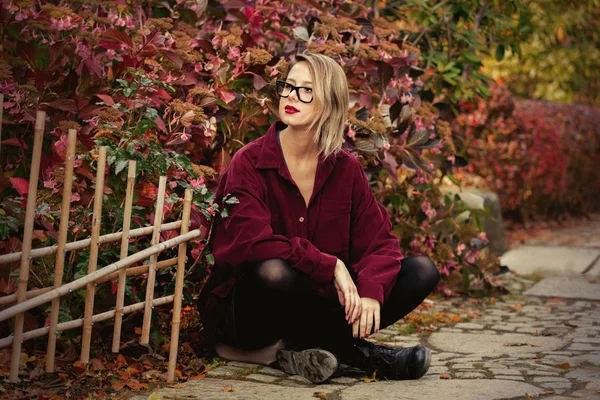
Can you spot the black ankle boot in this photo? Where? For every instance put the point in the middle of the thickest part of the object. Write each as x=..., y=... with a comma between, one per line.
x=389, y=363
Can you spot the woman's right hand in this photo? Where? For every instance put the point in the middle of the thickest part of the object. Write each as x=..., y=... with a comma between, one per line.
x=347, y=292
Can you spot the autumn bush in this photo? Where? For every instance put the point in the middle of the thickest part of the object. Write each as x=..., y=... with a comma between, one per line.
x=180, y=86
x=541, y=158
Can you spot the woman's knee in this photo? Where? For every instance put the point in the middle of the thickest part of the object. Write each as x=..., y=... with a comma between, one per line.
x=275, y=273
x=423, y=269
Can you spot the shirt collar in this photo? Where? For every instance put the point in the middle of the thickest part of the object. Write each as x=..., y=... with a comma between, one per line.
x=271, y=155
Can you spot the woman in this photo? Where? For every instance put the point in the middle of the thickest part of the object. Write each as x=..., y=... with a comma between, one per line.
x=306, y=265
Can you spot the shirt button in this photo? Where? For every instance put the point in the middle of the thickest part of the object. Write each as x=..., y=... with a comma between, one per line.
x=301, y=219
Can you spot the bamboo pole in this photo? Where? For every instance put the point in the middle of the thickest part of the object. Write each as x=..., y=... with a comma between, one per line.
x=181, y=259
x=93, y=261
x=82, y=244
x=64, y=326
x=85, y=280
x=62, y=240
x=124, y=251
x=129, y=272
x=158, y=214
x=1, y=111
x=27, y=235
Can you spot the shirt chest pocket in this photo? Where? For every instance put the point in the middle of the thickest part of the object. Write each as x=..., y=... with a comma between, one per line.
x=332, y=233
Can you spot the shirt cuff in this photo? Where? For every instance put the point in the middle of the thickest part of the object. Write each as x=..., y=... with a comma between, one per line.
x=323, y=273
x=370, y=289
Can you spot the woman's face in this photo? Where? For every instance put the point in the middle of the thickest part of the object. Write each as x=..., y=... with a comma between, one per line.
x=292, y=111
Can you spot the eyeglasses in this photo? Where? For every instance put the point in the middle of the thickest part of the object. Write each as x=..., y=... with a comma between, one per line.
x=284, y=89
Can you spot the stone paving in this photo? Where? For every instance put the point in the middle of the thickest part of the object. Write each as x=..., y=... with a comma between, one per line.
x=532, y=343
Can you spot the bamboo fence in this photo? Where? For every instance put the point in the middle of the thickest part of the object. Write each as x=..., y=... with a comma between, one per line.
x=126, y=266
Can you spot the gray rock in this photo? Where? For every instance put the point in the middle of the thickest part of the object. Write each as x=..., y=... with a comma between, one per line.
x=494, y=345
x=468, y=325
x=213, y=389
x=469, y=375
x=510, y=377
x=571, y=287
x=262, y=378
x=549, y=260
x=468, y=389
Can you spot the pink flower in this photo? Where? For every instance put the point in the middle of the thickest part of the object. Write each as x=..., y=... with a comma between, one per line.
x=234, y=53
x=197, y=183
x=211, y=211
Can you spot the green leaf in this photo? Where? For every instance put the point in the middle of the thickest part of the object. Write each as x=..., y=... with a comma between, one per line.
x=121, y=164
x=500, y=52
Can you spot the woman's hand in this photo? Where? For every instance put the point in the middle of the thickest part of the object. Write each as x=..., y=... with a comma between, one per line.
x=347, y=293
x=369, y=318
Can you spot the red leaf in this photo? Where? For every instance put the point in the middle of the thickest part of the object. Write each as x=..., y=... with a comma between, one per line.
x=89, y=111
x=22, y=185
x=95, y=68
x=106, y=98
x=227, y=97
x=277, y=35
x=15, y=142
x=64, y=105
x=175, y=58
x=259, y=82
x=114, y=39
x=161, y=124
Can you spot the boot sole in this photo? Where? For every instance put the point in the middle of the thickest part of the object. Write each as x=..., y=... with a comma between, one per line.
x=316, y=365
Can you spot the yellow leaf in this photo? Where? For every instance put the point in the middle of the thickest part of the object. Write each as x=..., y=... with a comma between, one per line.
x=226, y=389
x=371, y=379
x=155, y=396
x=320, y=395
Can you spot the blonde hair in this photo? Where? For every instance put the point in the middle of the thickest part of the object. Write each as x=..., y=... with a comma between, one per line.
x=330, y=89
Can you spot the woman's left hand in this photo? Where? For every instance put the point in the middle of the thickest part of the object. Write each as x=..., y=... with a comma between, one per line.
x=368, y=322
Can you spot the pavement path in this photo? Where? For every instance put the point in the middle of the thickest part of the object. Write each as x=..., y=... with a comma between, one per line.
x=541, y=341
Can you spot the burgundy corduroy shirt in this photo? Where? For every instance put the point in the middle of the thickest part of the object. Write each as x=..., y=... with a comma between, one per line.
x=343, y=220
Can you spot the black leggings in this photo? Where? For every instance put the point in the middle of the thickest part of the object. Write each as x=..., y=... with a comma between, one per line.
x=273, y=301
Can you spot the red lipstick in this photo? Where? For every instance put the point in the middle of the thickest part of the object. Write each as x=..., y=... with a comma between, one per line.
x=291, y=110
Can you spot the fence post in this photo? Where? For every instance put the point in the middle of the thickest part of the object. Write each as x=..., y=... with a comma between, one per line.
x=61, y=252
x=158, y=214
x=181, y=259
x=93, y=261
x=27, y=235
x=124, y=251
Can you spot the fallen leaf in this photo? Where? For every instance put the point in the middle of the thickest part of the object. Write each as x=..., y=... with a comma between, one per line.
x=177, y=386
x=97, y=364
x=570, y=325
x=445, y=376
x=137, y=330
x=563, y=366
x=517, y=307
x=226, y=389
x=320, y=395
x=556, y=300
x=193, y=378
x=593, y=281
x=79, y=367
x=118, y=385
x=373, y=378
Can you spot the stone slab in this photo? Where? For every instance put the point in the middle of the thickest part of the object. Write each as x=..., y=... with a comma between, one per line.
x=511, y=344
x=571, y=287
x=220, y=389
x=595, y=270
x=549, y=260
x=468, y=389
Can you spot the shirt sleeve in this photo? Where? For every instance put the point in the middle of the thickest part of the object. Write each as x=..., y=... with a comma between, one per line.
x=375, y=250
x=246, y=236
